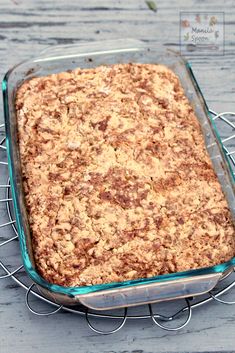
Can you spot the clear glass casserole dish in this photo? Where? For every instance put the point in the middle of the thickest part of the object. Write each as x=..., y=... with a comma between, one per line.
x=134, y=292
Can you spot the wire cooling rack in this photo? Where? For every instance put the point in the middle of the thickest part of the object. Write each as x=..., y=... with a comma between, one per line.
x=9, y=248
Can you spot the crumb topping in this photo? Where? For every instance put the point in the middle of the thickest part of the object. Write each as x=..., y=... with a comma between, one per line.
x=117, y=179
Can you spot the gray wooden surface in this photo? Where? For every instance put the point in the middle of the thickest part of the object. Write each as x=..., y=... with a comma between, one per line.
x=28, y=26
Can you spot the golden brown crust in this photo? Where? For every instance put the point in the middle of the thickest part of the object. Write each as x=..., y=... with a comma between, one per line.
x=117, y=179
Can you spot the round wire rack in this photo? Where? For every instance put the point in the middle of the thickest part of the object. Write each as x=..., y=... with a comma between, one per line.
x=9, y=251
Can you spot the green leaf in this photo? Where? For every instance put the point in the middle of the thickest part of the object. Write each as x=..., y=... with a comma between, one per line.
x=151, y=5
x=186, y=37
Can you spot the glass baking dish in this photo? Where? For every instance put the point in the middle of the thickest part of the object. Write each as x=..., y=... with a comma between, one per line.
x=86, y=55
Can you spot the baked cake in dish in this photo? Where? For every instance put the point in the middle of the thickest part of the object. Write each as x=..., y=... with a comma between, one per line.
x=117, y=179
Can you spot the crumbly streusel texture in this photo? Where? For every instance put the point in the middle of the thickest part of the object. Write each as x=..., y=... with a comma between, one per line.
x=117, y=180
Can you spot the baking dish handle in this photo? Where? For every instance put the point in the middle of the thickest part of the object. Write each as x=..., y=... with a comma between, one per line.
x=150, y=293
x=90, y=48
